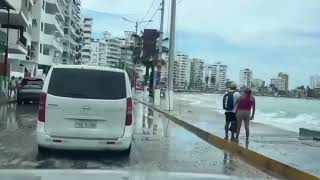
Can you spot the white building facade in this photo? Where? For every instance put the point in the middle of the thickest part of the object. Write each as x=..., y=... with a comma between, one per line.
x=196, y=76
x=315, y=81
x=72, y=32
x=257, y=83
x=113, y=48
x=86, y=53
x=20, y=31
x=181, y=71
x=94, y=56
x=216, y=74
x=246, y=77
x=47, y=34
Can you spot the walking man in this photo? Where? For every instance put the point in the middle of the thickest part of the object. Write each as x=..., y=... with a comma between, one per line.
x=230, y=102
x=12, y=87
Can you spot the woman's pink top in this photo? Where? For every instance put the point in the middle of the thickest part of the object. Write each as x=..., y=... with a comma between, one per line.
x=246, y=103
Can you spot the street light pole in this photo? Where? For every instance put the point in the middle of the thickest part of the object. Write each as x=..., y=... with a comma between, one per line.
x=137, y=25
x=169, y=105
x=6, y=52
x=156, y=87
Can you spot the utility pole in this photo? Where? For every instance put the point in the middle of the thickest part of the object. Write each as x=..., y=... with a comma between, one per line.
x=137, y=23
x=172, y=46
x=156, y=87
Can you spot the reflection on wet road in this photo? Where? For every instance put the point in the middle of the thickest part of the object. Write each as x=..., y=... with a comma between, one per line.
x=159, y=145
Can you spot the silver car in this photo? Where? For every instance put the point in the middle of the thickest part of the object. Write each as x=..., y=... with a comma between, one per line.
x=29, y=90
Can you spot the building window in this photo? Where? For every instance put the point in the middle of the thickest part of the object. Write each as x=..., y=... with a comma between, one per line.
x=42, y=26
x=34, y=23
x=46, y=51
x=40, y=48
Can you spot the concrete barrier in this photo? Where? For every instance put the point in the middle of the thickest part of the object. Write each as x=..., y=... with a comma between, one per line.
x=254, y=158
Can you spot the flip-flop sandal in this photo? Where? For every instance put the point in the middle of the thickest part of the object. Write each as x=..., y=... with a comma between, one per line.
x=235, y=140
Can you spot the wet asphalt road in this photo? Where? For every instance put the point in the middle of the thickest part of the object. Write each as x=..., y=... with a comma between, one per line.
x=158, y=145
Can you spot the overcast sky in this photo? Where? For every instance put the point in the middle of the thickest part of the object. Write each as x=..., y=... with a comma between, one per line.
x=267, y=36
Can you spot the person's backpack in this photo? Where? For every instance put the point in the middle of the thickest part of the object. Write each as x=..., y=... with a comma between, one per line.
x=228, y=103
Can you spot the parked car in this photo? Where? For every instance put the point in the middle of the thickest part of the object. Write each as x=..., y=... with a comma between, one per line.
x=85, y=108
x=29, y=90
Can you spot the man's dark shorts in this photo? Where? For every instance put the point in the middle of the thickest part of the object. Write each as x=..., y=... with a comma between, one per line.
x=231, y=119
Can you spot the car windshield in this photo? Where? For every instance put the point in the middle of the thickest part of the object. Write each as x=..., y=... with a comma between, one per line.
x=85, y=83
x=185, y=88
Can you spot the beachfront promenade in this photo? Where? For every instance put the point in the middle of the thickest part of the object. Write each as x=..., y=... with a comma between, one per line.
x=272, y=142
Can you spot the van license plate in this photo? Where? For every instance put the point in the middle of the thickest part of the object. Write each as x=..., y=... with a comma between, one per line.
x=85, y=124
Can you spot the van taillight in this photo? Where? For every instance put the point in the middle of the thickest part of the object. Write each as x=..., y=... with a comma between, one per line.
x=129, y=112
x=42, y=107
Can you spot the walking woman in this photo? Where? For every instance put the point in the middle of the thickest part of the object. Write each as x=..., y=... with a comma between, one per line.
x=246, y=103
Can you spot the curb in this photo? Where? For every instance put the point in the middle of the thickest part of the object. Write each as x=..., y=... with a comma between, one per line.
x=253, y=158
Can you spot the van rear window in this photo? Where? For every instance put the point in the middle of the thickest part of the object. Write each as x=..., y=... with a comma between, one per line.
x=87, y=84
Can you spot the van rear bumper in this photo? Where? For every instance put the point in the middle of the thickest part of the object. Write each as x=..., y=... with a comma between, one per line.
x=44, y=140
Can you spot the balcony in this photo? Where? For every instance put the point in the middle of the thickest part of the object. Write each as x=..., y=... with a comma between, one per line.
x=21, y=16
x=53, y=24
x=87, y=28
x=51, y=41
x=17, y=43
x=45, y=59
x=55, y=7
x=85, y=54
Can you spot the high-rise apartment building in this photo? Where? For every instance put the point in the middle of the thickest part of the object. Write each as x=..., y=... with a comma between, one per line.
x=246, y=76
x=315, y=81
x=257, y=83
x=47, y=34
x=20, y=31
x=94, y=56
x=216, y=75
x=113, y=45
x=283, y=83
x=72, y=32
x=196, y=76
x=86, y=42
x=181, y=71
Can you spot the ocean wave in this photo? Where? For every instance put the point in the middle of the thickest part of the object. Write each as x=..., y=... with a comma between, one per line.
x=283, y=119
x=288, y=123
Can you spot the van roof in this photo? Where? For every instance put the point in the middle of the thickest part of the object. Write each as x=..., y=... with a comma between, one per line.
x=89, y=67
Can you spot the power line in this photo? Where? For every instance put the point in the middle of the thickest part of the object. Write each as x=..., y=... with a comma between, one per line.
x=152, y=17
x=150, y=7
x=179, y=2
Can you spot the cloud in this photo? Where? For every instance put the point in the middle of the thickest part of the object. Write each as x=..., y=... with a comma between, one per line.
x=267, y=36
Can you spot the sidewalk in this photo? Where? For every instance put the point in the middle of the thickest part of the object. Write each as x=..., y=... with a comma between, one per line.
x=272, y=142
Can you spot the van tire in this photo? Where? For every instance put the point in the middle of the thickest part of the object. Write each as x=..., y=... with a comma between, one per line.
x=127, y=151
x=42, y=150
x=19, y=101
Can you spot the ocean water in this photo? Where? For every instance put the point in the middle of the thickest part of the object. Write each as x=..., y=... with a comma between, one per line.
x=285, y=113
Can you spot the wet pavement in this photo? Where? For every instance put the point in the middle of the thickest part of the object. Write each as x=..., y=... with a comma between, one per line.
x=279, y=144
x=158, y=145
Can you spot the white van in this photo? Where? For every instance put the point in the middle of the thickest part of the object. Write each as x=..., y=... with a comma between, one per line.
x=85, y=108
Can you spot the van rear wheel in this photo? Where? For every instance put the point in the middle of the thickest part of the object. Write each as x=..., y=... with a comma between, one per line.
x=42, y=150
x=127, y=151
